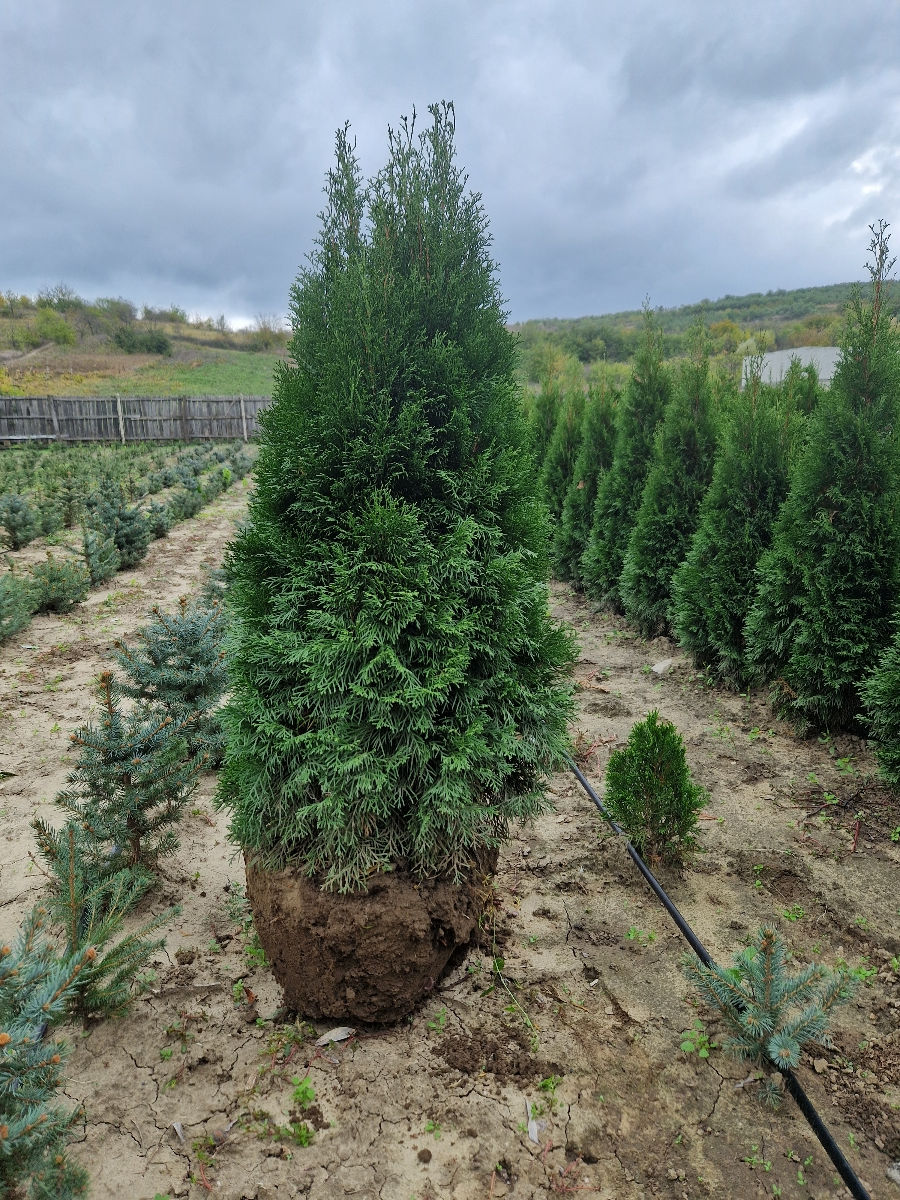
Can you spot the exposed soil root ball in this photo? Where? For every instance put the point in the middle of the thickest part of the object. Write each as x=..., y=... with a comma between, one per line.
x=370, y=956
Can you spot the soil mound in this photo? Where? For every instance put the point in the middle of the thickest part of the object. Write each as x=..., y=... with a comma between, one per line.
x=368, y=956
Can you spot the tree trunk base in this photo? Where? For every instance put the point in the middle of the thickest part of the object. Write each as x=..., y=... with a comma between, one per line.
x=368, y=956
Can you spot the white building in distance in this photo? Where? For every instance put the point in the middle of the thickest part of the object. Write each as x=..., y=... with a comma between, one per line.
x=775, y=365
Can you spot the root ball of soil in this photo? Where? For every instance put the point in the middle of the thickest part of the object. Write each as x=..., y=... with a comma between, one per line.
x=370, y=956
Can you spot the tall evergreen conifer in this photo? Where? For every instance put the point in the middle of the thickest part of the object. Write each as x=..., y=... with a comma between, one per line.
x=559, y=461
x=594, y=457
x=829, y=583
x=881, y=696
x=713, y=588
x=619, y=491
x=680, y=473
x=396, y=678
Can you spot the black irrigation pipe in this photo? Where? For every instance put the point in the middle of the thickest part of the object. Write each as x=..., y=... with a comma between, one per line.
x=792, y=1083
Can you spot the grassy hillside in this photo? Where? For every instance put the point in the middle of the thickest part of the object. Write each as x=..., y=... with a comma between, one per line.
x=72, y=348
x=60, y=344
x=802, y=317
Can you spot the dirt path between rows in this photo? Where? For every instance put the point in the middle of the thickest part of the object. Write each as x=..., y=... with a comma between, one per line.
x=574, y=1042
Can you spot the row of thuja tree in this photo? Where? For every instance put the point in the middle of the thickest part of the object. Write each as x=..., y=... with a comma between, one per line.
x=137, y=763
x=758, y=527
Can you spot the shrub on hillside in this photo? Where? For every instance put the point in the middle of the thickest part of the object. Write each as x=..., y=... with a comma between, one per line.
x=142, y=341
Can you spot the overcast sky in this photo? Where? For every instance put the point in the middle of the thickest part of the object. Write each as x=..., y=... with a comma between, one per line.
x=174, y=151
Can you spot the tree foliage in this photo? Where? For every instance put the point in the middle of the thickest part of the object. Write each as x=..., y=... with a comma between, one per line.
x=828, y=584
x=713, y=588
x=680, y=472
x=650, y=792
x=396, y=678
x=619, y=491
x=594, y=458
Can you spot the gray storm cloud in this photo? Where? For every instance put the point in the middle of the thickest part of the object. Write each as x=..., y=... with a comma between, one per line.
x=176, y=153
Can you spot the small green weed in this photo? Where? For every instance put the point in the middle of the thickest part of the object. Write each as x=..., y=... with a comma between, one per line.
x=697, y=1041
x=439, y=1024
x=304, y=1093
x=433, y=1127
x=794, y=913
x=642, y=936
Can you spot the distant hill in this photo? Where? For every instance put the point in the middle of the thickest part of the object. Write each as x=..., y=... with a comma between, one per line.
x=801, y=317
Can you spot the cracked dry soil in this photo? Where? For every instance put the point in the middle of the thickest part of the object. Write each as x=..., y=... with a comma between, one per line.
x=576, y=1042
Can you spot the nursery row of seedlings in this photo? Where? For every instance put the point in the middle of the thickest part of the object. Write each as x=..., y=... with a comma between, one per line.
x=137, y=765
x=771, y=1014
x=115, y=530
x=757, y=526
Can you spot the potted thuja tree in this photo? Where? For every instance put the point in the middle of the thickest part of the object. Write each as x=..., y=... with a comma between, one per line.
x=398, y=686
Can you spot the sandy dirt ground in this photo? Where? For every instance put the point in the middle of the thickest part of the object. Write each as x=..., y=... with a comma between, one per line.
x=556, y=1073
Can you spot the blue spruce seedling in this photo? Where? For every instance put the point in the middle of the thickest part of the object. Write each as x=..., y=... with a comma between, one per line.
x=759, y=1002
x=35, y=986
x=131, y=782
x=179, y=669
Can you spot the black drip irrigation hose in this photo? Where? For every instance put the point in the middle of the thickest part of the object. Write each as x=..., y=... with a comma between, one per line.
x=791, y=1082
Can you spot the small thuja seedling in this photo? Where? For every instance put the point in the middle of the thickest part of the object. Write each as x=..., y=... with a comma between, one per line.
x=758, y=1000
x=649, y=790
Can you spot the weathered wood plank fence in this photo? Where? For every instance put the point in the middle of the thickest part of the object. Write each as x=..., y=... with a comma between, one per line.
x=129, y=418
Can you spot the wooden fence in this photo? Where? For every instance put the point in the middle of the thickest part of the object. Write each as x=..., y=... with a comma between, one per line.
x=128, y=418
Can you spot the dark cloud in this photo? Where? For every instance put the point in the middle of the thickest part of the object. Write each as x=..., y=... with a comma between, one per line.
x=176, y=152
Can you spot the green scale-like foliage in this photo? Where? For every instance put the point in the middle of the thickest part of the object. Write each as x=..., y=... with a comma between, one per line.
x=713, y=588
x=35, y=987
x=650, y=792
x=881, y=697
x=131, y=782
x=559, y=461
x=759, y=999
x=620, y=488
x=828, y=585
x=679, y=475
x=594, y=458
x=397, y=691
x=543, y=415
x=178, y=669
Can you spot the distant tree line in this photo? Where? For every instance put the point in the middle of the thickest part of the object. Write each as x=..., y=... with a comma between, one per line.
x=58, y=314
x=736, y=325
